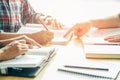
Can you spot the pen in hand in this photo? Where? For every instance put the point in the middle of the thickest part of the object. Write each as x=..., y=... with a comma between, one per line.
x=44, y=25
x=83, y=67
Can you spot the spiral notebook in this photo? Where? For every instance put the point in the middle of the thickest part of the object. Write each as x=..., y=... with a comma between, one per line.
x=109, y=74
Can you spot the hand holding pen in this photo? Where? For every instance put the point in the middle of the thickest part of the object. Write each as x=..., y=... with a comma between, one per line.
x=49, y=21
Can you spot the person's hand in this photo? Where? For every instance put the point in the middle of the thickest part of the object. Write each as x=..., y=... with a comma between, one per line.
x=78, y=29
x=50, y=21
x=29, y=41
x=15, y=48
x=113, y=38
x=42, y=37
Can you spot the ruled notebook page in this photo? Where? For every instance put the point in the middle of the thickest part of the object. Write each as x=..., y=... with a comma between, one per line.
x=90, y=73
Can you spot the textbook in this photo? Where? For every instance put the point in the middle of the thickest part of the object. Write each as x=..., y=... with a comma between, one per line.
x=32, y=62
x=97, y=47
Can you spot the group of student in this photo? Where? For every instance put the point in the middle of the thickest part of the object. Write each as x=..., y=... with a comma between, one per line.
x=16, y=13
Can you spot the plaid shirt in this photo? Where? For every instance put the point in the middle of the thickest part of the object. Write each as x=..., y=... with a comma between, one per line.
x=14, y=14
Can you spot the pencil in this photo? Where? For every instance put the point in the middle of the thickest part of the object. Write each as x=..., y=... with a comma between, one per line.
x=85, y=67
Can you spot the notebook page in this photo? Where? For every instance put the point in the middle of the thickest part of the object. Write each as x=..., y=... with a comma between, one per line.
x=23, y=61
x=40, y=51
x=111, y=74
x=58, y=34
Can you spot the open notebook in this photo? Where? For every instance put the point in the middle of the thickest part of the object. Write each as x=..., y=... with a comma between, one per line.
x=28, y=65
x=58, y=34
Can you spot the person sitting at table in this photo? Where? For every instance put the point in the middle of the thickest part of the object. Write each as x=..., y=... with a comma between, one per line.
x=79, y=29
x=16, y=13
x=13, y=47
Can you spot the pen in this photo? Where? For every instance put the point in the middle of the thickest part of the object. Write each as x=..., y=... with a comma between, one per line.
x=44, y=26
x=83, y=67
x=102, y=44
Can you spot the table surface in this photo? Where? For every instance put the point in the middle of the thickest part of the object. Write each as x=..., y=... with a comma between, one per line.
x=71, y=53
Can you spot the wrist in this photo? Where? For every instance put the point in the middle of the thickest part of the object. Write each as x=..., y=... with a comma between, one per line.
x=1, y=54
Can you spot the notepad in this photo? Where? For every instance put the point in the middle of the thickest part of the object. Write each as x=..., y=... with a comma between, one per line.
x=111, y=74
x=58, y=39
x=102, y=51
x=33, y=58
x=97, y=47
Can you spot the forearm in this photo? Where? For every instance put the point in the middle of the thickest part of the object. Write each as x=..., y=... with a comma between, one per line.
x=110, y=22
x=1, y=54
x=5, y=35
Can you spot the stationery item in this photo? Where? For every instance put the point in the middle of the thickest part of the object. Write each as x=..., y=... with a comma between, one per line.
x=97, y=47
x=110, y=74
x=33, y=58
x=28, y=65
x=44, y=25
x=58, y=39
x=102, y=51
x=85, y=67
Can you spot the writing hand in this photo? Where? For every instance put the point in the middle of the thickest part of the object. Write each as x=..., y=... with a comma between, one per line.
x=48, y=20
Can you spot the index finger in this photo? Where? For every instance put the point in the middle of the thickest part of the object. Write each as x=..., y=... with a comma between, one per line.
x=37, y=44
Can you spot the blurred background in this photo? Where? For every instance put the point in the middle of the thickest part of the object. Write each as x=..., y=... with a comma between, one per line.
x=70, y=12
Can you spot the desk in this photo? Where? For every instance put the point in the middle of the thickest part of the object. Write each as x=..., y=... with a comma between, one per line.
x=72, y=52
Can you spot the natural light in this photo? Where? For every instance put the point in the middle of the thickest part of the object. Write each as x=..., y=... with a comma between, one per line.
x=71, y=11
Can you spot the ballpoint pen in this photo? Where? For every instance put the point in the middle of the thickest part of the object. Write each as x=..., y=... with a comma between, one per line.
x=103, y=44
x=86, y=67
x=44, y=25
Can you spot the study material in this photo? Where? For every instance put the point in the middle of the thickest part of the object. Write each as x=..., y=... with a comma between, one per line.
x=97, y=47
x=102, y=51
x=28, y=65
x=58, y=34
x=86, y=67
x=33, y=58
x=44, y=25
x=110, y=74
x=59, y=39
